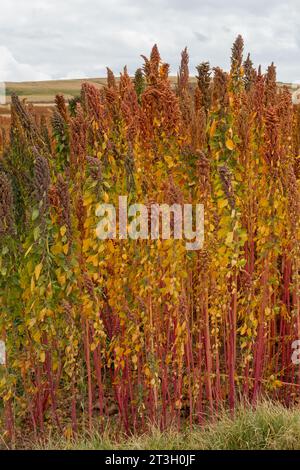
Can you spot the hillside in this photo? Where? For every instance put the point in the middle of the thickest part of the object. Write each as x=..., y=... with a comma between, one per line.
x=44, y=91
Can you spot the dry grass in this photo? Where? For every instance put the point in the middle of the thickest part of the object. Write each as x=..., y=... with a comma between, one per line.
x=268, y=426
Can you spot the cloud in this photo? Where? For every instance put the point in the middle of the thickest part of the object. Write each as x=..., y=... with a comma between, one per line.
x=11, y=69
x=55, y=38
x=201, y=37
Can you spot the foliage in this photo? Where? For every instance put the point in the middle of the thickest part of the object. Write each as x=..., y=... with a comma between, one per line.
x=145, y=330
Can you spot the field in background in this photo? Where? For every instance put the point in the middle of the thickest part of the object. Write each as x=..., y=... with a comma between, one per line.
x=42, y=94
x=45, y=91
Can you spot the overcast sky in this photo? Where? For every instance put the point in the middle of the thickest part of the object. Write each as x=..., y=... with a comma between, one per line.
x=49, y=39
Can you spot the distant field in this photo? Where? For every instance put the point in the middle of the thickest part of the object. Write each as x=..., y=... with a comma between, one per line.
x=42, y=94
x=45, y=91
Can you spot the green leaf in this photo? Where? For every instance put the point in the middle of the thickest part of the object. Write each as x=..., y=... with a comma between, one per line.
x=35, y=214
x=5, y=250
x=36, y=233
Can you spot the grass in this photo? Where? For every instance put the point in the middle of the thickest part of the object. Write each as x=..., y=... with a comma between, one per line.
x=268, y=426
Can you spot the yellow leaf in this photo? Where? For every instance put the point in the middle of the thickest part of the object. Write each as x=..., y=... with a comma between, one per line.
x=229, y=144
x=85, y=245
x=2, y=382
x=169, y=161
x=87, y=201
x=37, y=271
x=62, y=280
x=42, y=356
x=57, y=249
x=28, y=251
x=243, y=329
x=213, y=129
x=118, y=351
x=31, y=322
x=134, y=359
x=63, y=230
x=37, y=336
x=229, y=238
x=268, y=311
x=222, y=203
x=93, y=259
